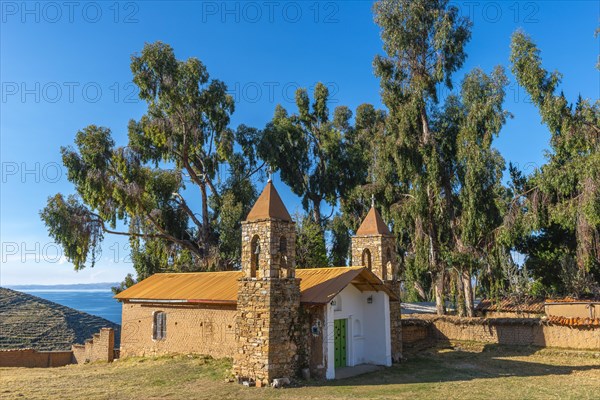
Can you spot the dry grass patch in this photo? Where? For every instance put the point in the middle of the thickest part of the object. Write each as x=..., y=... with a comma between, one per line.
x=472, y=372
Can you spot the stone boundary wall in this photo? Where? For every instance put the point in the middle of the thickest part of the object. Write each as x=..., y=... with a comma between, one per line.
x=504, y=331
x=99, y=348
x=31, y=358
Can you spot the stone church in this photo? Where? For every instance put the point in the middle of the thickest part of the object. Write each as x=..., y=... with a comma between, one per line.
x=272, y=319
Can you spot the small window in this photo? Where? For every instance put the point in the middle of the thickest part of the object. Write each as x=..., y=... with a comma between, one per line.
x=159, y=329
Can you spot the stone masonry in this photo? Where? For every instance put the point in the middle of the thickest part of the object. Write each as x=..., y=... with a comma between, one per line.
x=199, y=328
x=382, y=250
x=101, y=347
x=266, y=329
x=276, y=241
x=268, y=294
x=395, y=322
x=504, y=331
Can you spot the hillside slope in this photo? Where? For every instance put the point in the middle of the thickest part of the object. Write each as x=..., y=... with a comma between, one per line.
x=28, y=321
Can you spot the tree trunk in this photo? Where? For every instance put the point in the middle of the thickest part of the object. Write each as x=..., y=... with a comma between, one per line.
x=468, y=290
x=440, y=305
x=425, y=124
x=204, y=232
x=316, y=211
x=460, y=295
x=420, y=291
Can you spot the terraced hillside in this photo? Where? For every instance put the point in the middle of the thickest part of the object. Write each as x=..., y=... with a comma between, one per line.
x=28, y=321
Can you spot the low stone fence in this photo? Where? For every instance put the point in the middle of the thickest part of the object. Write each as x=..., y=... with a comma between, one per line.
x=33, y=358
x=504, y=331
x=99, y=348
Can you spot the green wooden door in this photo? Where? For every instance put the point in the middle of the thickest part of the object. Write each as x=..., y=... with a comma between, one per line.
x=339, y=327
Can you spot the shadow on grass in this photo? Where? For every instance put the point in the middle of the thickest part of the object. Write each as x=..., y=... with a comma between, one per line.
x=449, y=364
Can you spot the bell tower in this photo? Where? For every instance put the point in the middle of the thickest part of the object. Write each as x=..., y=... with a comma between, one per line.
x=268, y=293
x=268, y=238
x=374, y=247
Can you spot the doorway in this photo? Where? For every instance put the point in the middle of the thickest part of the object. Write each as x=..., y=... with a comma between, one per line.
x=339, y=328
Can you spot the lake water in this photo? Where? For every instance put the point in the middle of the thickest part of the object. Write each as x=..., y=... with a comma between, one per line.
x=95, y=302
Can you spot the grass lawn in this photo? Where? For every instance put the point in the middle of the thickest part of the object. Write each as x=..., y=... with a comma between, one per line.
x=475, y=373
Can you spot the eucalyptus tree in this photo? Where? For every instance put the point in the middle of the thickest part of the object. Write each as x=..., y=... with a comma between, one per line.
x=479, y=115
x=312, y=150
x=143, y=190
x=563, y=196
x=424, y=42
x=366, y=139
x=311, y=251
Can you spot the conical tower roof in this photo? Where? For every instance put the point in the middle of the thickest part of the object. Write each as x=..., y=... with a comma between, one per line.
x=373, y=224
x=269, y=205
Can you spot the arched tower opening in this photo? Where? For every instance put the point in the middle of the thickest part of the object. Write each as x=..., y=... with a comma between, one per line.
x=284, y=259
x=366, y=259
x=254, y=255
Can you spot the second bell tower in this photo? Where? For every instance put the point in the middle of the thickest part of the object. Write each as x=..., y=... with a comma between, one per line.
x=374, y=247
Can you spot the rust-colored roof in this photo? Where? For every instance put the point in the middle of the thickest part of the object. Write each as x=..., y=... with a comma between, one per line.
x=528, y=305
x=573, y=321
x=317, y=285
x=573, y=300
x=373, y=224
x=269, y=205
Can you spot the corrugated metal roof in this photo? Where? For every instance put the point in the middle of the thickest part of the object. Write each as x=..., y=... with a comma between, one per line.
x=317, y=285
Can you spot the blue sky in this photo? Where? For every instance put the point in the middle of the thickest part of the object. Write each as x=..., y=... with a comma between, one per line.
x=66, y=65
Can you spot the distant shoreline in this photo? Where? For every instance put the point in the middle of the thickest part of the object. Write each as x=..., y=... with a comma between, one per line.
x=65, y=287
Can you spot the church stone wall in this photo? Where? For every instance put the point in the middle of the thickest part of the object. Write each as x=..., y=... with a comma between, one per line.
x=199, y=329
x=268, y=329
x=312, y=338
x=382, y=249
x=395, y=321
x=272, y=262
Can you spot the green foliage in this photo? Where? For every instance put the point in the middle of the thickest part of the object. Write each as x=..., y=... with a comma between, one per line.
x=74, y=228
x=561, y=206
x=183, y=137
x=128, y=282
x=313, y=152
x=310, y=243
x=429, y=164
x=237, y=196
x=447, y=201
x=340, y=242
x=417, y=283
